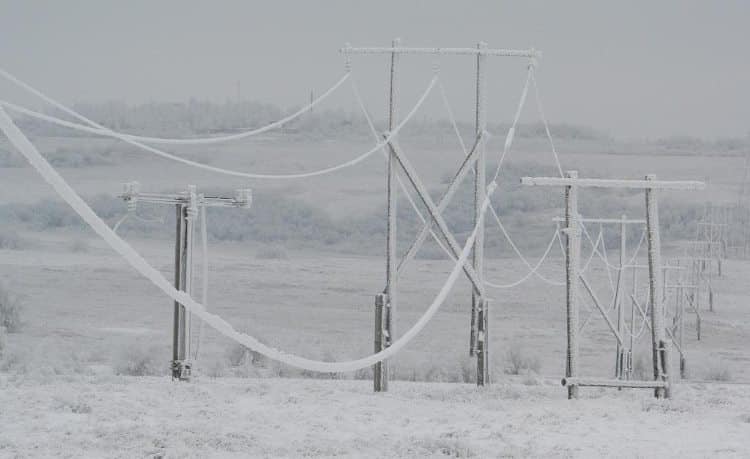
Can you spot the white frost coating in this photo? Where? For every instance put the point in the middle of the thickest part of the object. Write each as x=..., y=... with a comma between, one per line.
x=204, y=278
x=594, y=249
x=160, y=140
x=603, y=257
x=540, y=108
x=532, y=272
x=22, y=143
x=374, y=131
x=391, y=135
x=509, y=138
x=520, y=255
x=511, y=132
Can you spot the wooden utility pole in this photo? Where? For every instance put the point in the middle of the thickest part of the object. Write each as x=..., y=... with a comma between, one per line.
x=389, y=307
x=479, y=305
x=386, y=318
x=187, y=205
x=661, y=347
x=572, y=255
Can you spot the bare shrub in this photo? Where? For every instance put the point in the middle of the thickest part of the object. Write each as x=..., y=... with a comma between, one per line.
x=215, y=368
x=642, y=368
x=364, y=373
x=72, y=405
x=15, y=362
x=238, y=355
x=468, y=371
x=11, y=309
x=327, y=356
x=140, y=360
x=11, y=240
x=442, y=447
x=272, y=252
x=79, y=246
x=719, y=371
x=518, y=361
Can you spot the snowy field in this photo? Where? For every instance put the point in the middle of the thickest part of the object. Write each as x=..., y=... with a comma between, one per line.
x=227, y=417
x=90, y=322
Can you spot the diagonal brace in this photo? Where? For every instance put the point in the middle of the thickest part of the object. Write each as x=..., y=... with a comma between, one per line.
x=444, y=201
x=599, y=307
x=424, y=196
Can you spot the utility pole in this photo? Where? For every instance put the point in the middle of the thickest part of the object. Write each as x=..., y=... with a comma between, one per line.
x=187, y=205
x=660, y=347
x=386, y=305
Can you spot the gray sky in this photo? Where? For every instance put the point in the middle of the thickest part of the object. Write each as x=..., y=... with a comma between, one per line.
x=636, y=68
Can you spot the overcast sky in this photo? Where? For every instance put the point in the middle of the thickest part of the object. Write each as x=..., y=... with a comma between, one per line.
x=638, y=68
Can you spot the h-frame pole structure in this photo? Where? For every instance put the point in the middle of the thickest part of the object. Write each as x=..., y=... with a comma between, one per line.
x=659, y=344
x=187, y=206
x=386, y=302
x=623, y=353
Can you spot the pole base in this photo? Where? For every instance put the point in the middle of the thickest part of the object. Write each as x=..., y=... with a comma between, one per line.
x=181, y=370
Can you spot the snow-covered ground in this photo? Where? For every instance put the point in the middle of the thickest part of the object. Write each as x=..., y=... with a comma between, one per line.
x=106, y=416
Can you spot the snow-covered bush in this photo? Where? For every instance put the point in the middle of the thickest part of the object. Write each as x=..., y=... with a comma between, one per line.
x=11, y=309
x=519, y=361
x=10, y=239
x=3, y=340
x=272, y=252
x=215, y=368
x=140, y=360
x=718, y=371
x=642, y=368
x=79, y=246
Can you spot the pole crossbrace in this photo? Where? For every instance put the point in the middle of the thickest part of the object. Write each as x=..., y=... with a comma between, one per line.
x=473, y=159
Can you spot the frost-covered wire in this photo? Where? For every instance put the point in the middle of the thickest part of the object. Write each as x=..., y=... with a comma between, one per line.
x=69, y=195
x=374, y=131
x=606, y=257
x=391, y=135
x=190, y=141
x=506, y=148
x=532, y=272
x=510, y=136
x=544, y=118
x=594, y=250
x=630, y=262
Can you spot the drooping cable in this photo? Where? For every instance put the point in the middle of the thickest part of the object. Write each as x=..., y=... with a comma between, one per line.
x=190, y=141
x=27, y=149
x=391, y=135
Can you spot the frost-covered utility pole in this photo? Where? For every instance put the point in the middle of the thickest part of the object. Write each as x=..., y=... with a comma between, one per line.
x=480, y=305
x=187, y=206
x=622, y=352
x=660, y=346
x=386, y=319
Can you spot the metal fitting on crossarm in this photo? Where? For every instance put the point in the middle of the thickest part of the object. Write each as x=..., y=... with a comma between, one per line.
x=243, y=198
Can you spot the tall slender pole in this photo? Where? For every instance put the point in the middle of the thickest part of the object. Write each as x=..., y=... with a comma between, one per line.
x=632, y=323
x=479, y=194
x=572, y=251
x=681, y=327
x=191, y=213
x=381, y=368
x=620, y=362
x=179, y=222
x=660, y=348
